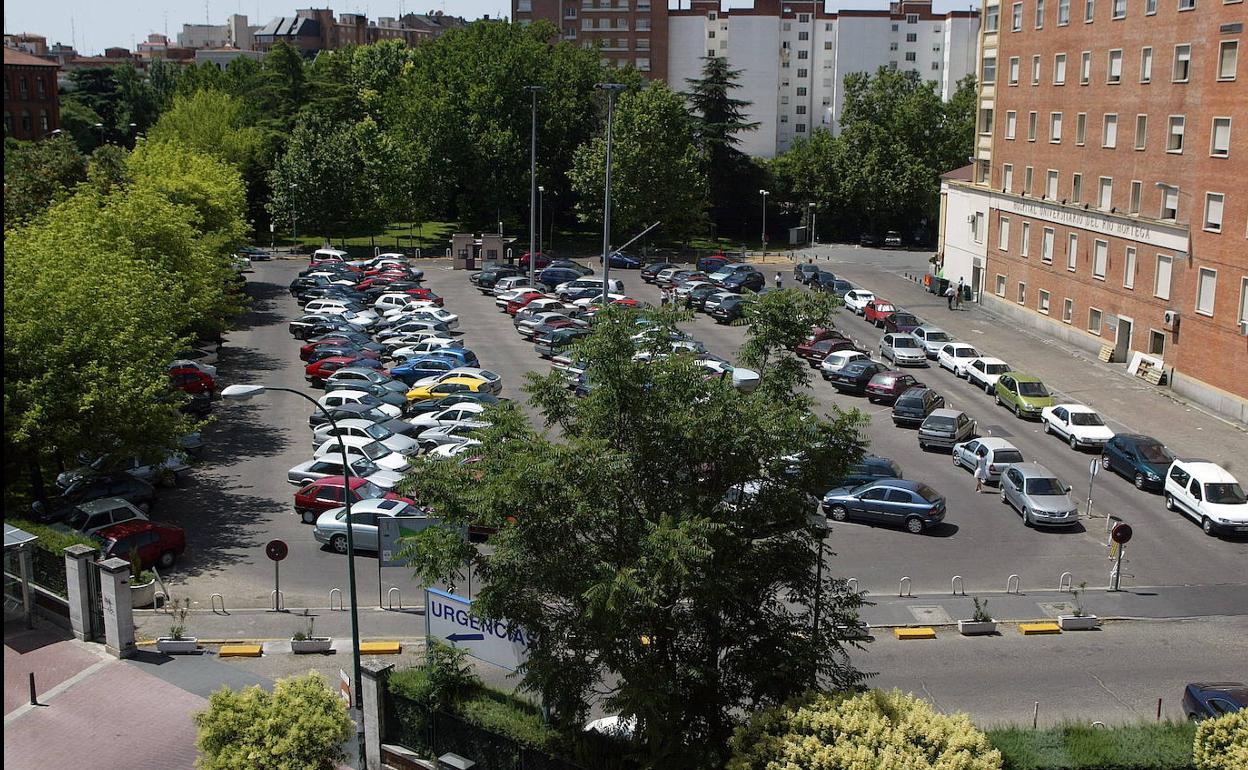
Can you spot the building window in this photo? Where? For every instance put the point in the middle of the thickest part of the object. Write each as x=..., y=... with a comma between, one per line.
x=1169, y=202
x=912, y=18
x=1206, y=288
x=985, y=121
x=1146, y=64
x=26, y=124
x=1035, y=70
x=1050, y=186
x=801, y=90
x=8, y=122
x=1089, y=11
x=1033, y=119
x=1063, y=12
x=827, y=45
x=23, y=90
x=827, y=26
x=1228, y=58
x=1187, y=5
x=1007, y=177
x=1156, y=342
x=912, y=37
x=1043, y=304
x=1055, y=127
x=1220, y=140
x=803, y=54
x=1016, y=19
x=1039, y=14
x=1011, y=123
x=801, y=73
x=800, y=128
x=1076, y=188
x=1100, y=259
x=711, y=35
x=1161, y=279
x=1120, y=9
x=1085, y=68
x=1182, y=63
x=1068, y=310
x=1013, y=70
x=1133, y=206
x=1128, y=269
x=1027, y=177
x=1046, y=245
x=1141, y=131
x=41, y=91
x=801, y=109
x=912, y=56
x=643, y=65
x=1059, y=69
x=935, y=65
x=1000, y=289
x=1003, y=234
x=803, y=35
x=1072, y=252
x=1024, y=245
x=1022, y=293
x=1243, y=304
x=1109, y=138
x=977, y=227
x=1115, y=66
x=1213, y=212
x=989, y=69
x=788, y=26
x=992, y=18
x=892, y=46
x=803, y=18
x=1081, y=128
x=1174, y=134
x=784, y=118
x=1150, y=7
x=1105, y=196
x=1094, y=321
x=44, y=124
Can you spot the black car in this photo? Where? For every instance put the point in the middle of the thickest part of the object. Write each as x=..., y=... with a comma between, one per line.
x=553, y=276
x=744, y=279
x=253, y=253
x=839, y=288
x=696, y=299
x=1204, y=700
x=487, y=278
x=913, y=406
x=729, y=310
x=804, y=271
x=823, y=281
x=93, y=487
x=198, y=405
x=333, y=351
x=304, y=282
x=854, y=376
x=567, y=264
x=869, y=468
x=553, y=343
x=652, y=270
x=313, y=325
x=364, y=412
x=1143, y=459
x=892, y=240
x=867, y=239
x=438, y=404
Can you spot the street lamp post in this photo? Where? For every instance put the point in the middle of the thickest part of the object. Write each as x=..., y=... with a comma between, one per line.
x=764, y=193
x=612, y=89
x=821, y=530
x=532, y=188
x=245, y=392
x=294, y=231
x=812, y=223
x=541, y=201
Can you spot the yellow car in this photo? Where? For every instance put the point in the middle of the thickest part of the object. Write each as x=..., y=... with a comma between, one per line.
x=451, y=385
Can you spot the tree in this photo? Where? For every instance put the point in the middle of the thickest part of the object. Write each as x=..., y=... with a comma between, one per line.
x=720, y=119
x=656, y=168
x=1222, y=743
x=210, y=122
x=617, y=552
x=302, y=724
x=881, y=730
x=36, y=174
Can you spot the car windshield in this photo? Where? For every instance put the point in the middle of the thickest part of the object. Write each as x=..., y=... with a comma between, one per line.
x=965, y=352
x=996, y=368
x=1086, y=418
x=375, y=450
x=374, y=414
x=937, y=337
x=883, y=308
x=363, y=467
x=905, y=342
x=939, y=423
x=1225, y=494
x=1042, y=486
x=1006, y=456
x=1156, y=453
x=1032, y=389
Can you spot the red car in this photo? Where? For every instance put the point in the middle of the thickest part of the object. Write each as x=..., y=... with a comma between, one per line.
x=517, y=304
x=425, y=294
x=157, y=544
x=317, y=373
x=188, y=379
x=305, y=350
x=887, y=386
x=819, y=333
x=815, y=347
x=542, y=260
x=877, y=310
x=319, y=496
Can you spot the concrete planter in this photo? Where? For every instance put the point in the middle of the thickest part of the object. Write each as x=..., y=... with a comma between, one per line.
x=143, y=595
x=173, y=646
x=977, y=627
x=1077, y=622
x=320, y=644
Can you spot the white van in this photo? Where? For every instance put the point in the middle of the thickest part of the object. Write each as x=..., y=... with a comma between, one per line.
x=614, y=287
x=1207, y=494
x=510, y=282
x=329, y=255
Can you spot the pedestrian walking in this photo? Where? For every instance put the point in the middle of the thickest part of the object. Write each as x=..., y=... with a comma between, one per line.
x=957, y=299
x=981, y=472
x=949, y=297
x=779, y=280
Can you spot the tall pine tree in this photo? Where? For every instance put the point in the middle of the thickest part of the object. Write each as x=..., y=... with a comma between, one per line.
x=719, y=120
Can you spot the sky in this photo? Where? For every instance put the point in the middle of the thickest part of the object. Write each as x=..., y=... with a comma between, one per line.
x=93, y=25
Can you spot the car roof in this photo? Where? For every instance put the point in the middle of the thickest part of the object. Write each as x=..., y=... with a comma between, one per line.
x=995, y=442
x=912, y=486
x=103, y=504
x=945, y=412
x=1034, y=470
x=1022, y=377
x=1075, y=408
x=130, y=527
x=989, y=360
x=1207, y=471
x=929, y=328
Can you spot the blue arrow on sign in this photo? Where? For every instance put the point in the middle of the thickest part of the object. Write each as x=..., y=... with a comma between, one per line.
x=464, y=637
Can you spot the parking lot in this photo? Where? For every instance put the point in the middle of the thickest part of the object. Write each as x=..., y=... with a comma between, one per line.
x=239, y=498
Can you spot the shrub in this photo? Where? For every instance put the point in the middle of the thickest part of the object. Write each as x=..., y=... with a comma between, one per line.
x=1222, y=743
x=1158, y=746
x=874, y=729
x=52, y=540
x=507, y=715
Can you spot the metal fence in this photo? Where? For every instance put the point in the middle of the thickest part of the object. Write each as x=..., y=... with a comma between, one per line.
x=48, y=571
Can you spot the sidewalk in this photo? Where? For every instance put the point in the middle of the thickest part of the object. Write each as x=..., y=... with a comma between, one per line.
x=257, y=625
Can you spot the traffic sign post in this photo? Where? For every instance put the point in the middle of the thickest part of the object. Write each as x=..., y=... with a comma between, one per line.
x=277, y=550
x=1094, y=467
x=1120, y=535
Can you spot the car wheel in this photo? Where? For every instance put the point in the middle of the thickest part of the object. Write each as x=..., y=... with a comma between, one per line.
x=922, y=446
x=914, y=525
x=1026, y=518
x=1169, y=502
x=1018, y=411
x=997, y=398
x=1047, y=429
x=338, y=543
x=839, y=513
x=1105, y=466
x=308, y=516
x=1139, y=480
x=166, y=559
x=1074, y=442
x=1207, y=525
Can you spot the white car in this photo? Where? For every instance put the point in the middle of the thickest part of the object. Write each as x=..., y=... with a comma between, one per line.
x=1209, y=495
x=412, y=327
x=1000, y=454
x=511, y=283
x=983, y=372
x=544, y=305
x=664, y=276
x=364, y=446
x=585, y=302
x=337, y=398
x=835, y=361
x=501, y=298
x=449, y=416
x=955, y=356
x=390, y=301
x=331, y=465
x=932, y=338
x=857, y=299
x=372, y=431
x=683, y=290
x=426, y=345
x=409, y=307
x=1077, y=424
x=448, y=451
x=743, y=380
x=427, y=311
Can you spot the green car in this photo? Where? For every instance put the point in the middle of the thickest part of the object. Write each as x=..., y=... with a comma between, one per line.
x=1022, y=394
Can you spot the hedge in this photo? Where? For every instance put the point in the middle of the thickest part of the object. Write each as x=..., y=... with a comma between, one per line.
x=1159, y=746
x=52, y=540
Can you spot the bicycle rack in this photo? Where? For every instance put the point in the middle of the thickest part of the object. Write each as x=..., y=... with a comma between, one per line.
x=390, y=596
x=1012, y=580
x=852, y=584
x=957, y=585
x=903, y=586
x=213, y=600
x=278, y=600
x=339, y=608
x=1064, y=582
x=1099, y=724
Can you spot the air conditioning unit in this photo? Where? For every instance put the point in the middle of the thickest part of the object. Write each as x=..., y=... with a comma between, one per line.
x=1171, y=319
x=1243, y=328
x=970, y=218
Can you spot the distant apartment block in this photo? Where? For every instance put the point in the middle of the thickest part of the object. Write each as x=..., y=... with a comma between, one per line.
x=316, y=29
x=31, y=100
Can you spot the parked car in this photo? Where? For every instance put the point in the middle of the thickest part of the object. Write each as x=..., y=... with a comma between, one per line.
x=383, y=456
x=983, y=372
x=157, y=545
x=452, y=415
x=945, y=428
x=557, y=276
x=190, y=379
x=875, y=311
x=902, y=350
x=553, y=343
x=167, y=470
x=428, y=406
x=94, y=515
x=93, y=487
x=318, y=372
x=712, y=263
x=1207, y=494
x=834, y=362
x=486, y=279
x=340, y=397
x=253, y=253
x=744, y=279
x=1143, y=459
x=365, y=430
x=955, y=356
x=869, y=468
x=729, y=309
x=540, y=261
x=869, y=239
x=416, y=369
x=911, y=504
x=331, y=465
x=1000, y=454
x=458, y=433
x=622, y=261
x=886, y=386
x=569, y=264
x=816, y=352
x=651, y=271
x=932, y=338
x=892, y=240
x=855, y=376
x=1022, y=394
x=912, y=407
x=827, y=283
x=902, y=323
x=1076, y=424
x=1038, y=496
x=321, y=352
x=321, y=495
x=857, y=299
x=1209, y=700
x=446, y=387
x=331, y=526
x=804, y=271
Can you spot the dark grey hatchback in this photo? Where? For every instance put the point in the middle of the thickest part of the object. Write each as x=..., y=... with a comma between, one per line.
x=911, y=504
x=913, y=406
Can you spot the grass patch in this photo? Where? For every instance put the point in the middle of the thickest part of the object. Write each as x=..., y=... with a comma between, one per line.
x=52, y=540
x=1159, y=746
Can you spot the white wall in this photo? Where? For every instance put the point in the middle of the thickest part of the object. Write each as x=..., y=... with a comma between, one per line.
x=961, y=249
x=753, y=48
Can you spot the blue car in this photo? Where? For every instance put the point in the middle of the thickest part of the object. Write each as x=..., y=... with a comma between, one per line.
x=553, y=276
x=1142, y=459
x=1207, y=700
x=911, y=504
x=624, y=261
x=433, y=364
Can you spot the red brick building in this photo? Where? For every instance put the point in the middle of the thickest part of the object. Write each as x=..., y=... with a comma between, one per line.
x=631, y=31
x=32, y=107
x=1114, y=141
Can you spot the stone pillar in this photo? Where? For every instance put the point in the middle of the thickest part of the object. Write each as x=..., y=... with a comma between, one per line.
x=79, y=561
x=118, y=613
x=375, y=675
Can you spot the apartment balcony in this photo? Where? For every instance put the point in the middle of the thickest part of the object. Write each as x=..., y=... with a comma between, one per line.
x=606, y=6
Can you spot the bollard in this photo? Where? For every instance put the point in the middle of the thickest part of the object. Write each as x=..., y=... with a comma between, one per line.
x=1011, y=585
x=1158, y=707
x=903, y=586
x=34, y=701
x=1035, y=716
x=957, y=585
x=1063, y=582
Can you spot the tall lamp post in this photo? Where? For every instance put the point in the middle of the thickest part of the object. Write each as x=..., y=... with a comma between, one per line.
x=245, y=392
x=294, y=231
x=821, y=530
x=541, y=200
x=812, y=223
x=612, y=89
x=532, y=188
x=764, y=193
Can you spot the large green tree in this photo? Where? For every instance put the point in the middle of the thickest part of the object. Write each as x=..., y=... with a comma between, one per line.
x=657, y=170
x=211, y=122
x=617, y=551
x=720, y=119
x=38, y=173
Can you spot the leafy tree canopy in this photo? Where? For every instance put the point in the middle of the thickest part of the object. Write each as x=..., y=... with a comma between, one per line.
x=36, y=174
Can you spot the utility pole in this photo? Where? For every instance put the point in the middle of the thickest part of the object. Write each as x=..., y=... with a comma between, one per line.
x=764, y=193
x=533, y=188
x=612, y=89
